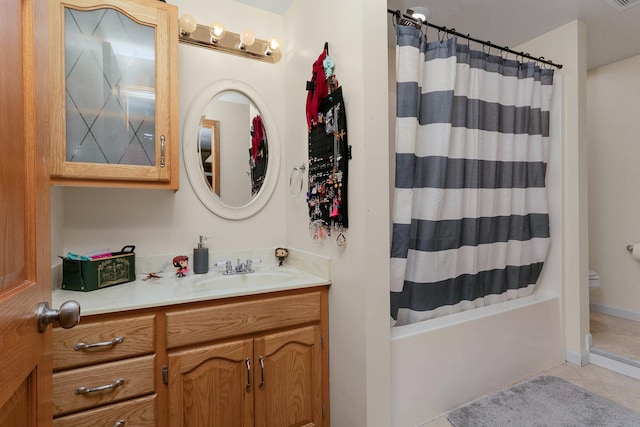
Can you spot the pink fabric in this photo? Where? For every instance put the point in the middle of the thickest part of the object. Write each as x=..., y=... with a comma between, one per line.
x=258, y=136
x=315, y=97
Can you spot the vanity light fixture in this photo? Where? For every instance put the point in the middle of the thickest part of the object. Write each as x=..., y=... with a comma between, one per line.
x=216, y=37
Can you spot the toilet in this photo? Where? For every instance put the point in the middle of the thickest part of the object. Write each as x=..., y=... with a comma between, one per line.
x=594, y=280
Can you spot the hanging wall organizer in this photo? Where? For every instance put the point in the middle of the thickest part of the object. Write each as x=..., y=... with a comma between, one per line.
x=329, y=152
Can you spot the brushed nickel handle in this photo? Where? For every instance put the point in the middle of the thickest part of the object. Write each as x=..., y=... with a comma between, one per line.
x=99, y=345
x=119, y=423
x=86, y=390
x=261, y=385
x=248, y=362
x=67, y=316
x=162, y=141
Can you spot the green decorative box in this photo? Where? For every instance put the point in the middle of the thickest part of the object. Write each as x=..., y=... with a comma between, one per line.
x=80, y=275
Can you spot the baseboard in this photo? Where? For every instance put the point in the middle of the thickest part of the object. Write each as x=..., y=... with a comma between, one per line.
x=614, y=363
x=578, y=359
x=615, y=311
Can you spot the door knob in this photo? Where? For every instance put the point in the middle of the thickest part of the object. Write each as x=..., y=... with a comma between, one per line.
x=67, y=316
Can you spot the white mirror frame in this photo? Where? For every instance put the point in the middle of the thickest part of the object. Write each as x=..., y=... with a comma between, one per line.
x=193, y=163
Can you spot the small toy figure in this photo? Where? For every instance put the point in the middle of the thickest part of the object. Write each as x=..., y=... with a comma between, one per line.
x=281, y=254
x=181, y=262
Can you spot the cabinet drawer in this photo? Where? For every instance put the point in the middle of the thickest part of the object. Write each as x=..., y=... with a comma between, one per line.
x=129, y=378
x=96, y=342
x=138, y=412
x=225, y=320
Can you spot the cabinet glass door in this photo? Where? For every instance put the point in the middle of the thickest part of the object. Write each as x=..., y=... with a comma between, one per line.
x=113, y=92
x=110, y=88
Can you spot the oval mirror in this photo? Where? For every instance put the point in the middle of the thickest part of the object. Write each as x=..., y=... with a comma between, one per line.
x=231, y=149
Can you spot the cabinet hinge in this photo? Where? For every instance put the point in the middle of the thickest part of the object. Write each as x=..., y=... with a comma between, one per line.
x=165, y=374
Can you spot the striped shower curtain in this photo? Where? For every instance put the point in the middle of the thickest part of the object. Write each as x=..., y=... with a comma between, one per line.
x=470, y=217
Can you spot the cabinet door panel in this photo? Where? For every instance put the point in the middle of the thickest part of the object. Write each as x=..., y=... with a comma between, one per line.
x=112, y=84
x=208, y=386
x=291, y=394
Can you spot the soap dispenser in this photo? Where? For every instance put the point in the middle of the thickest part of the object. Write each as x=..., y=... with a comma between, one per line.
x=201, y=257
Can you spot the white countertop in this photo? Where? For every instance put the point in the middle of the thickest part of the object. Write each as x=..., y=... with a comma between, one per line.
x=170, y=289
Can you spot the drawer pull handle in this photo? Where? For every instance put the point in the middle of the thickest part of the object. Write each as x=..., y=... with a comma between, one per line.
x=248, y=362
x=261, y=385
x=99, y=345
x=119, y=423
x=85, y=390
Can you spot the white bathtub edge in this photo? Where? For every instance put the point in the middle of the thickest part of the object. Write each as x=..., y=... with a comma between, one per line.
x=399, y=332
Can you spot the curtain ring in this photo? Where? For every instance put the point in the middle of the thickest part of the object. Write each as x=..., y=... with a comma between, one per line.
x=505, y=51
x=543, y=63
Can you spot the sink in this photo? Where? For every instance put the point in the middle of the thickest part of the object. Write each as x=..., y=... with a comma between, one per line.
x=260, y=278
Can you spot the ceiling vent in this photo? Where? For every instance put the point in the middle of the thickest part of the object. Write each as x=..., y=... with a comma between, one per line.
x=622, y=4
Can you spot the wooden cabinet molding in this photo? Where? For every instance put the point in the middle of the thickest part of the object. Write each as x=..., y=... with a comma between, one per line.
x=163, y=166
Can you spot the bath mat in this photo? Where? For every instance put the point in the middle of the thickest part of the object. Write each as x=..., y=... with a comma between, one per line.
x=544, y=401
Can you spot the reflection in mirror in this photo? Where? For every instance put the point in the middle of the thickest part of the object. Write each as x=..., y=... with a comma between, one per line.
x=209, y=149
x=233, y=148
x=218, y=143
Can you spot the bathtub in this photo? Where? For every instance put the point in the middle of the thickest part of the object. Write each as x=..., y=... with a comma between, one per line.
x=440, y=364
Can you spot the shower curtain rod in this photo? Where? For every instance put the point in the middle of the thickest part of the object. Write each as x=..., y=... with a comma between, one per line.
x=399, y=15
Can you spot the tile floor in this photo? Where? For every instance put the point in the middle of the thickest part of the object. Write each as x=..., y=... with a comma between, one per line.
x=612, y=334
x=616, y=335
x=617, y=387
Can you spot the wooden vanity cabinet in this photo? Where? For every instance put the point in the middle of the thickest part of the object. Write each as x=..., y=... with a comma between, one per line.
x=256, y=362
x=104, y=370
x=114, y=93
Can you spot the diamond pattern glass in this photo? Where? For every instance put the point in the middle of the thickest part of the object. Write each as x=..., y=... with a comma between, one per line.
x=110, y=88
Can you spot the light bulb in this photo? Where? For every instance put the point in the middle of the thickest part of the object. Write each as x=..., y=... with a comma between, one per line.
x=217, y=31
x=246, y=39
x=273, y=46
x=188, y=23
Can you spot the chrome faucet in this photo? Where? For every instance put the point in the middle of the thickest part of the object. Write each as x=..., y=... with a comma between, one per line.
x=240, y=268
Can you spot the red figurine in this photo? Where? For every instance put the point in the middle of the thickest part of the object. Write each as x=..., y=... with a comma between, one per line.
x=181, y=262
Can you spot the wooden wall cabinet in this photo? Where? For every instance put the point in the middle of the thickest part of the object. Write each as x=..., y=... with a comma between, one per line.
x=113, y=90
x=246, y=361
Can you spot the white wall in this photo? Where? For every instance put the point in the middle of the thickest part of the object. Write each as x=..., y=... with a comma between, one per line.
x=359, y=295
x=614, y=202
x=161, y=221
x=567, y=45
